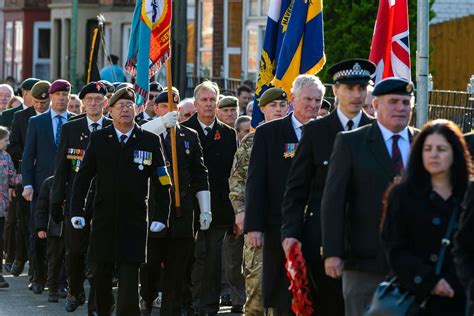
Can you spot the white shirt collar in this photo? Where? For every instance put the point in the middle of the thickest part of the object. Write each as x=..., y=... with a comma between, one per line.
x=294, y=121
x=24, y=106
x=203, y=126
x=344, y=119
x=387, y=134
x=63, y=115
x=90, y=122
x=119, y=133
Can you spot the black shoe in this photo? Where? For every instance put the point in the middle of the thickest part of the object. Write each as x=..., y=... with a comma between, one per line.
x=37, y=288
x=3, y=284
x=225, y=300
x=81, y=298
x=71, y=303
x=8, y=267
x=30, y=286
x=53, y=297
x=17, y=268
x=237, y=309
x=62, y=292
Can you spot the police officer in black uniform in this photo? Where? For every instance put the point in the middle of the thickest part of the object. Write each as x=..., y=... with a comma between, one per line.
x=122, y=157
x=75, y=137
x=173, y=245
x=305, y=184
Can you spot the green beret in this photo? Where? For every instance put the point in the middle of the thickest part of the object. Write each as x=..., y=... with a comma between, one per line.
x=393, y=85
x=40, y=90
x=126, y=93
x=228, y=102
x=124, y=85
x=29, y=83
x=272, y=94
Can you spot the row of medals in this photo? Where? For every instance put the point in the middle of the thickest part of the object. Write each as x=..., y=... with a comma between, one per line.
x=142, y=158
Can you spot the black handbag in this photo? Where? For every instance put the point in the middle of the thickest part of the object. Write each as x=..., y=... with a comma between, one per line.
x=390, y=299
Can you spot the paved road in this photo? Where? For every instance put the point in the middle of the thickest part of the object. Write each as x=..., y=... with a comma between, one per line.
x=17, y=300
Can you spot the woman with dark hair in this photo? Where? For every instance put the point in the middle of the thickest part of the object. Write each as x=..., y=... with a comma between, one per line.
x=418, y=211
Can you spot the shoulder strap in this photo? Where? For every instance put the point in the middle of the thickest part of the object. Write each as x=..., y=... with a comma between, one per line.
x=445, y=242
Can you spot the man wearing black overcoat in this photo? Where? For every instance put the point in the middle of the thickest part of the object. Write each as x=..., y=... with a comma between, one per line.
x=219, y=145
x=173, y=245
x=75, y=137
x=123, y=158
x=307, y=177
x=272, y=154
x=363, y=164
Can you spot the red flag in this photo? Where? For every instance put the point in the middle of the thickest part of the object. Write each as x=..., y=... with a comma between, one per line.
x=390, y=50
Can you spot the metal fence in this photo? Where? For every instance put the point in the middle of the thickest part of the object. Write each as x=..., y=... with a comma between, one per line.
x=457, y=106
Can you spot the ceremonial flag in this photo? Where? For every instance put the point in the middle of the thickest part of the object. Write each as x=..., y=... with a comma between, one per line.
x=149, y=45
x=278, y=16
x=390, y=49
x=92, y=69
x=302, y=50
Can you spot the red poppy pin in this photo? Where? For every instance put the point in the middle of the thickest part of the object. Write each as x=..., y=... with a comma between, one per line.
x=217, y=135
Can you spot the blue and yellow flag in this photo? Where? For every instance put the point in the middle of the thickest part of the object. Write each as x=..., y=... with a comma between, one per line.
x=278, y=16
x=302, y=48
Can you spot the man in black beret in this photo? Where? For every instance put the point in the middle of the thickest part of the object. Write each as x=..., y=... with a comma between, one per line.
x=123, y=158
x=148, y=113
x=75, y=137
x=364, y=163
x=6, y=116
x=308, y=175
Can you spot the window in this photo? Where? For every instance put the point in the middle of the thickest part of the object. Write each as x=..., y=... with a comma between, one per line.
x=258, y=7
x=8, y=49
x=41, y=50
x=254, y=25
x=205, y=31
x=232, y=39
x=126, y=29
x=18, y=59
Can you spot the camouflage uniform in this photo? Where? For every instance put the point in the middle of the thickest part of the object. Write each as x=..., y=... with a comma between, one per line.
x=252, y=256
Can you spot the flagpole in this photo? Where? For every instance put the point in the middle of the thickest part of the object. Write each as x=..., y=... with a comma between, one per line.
x=422, y=64
x=174, y=153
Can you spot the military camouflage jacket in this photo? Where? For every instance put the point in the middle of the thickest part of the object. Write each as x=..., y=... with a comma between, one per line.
x=238, y=176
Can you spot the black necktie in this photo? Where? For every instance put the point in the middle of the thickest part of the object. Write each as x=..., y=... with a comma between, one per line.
x=208, y=130
x=397, y=155
x=123, y=138
x=94, y=126
x=350, y=125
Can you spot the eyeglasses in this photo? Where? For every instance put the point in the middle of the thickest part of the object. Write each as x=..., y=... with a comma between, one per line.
x=97, y=100
x=122, y=106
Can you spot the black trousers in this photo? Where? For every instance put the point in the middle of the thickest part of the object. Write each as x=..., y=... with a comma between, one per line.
x=10, y=234
x=206, y=275
x=127, y=300
x=38, y=248
x=55, y=251
x=22, y=209
x=174, y=255
x=76, y=242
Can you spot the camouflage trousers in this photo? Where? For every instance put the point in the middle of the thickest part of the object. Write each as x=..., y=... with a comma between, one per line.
x=253, y=280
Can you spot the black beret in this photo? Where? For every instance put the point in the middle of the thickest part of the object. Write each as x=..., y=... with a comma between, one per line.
x=272, y=94
x=163, y=97
x=126, y=93
x=352, y=71
x=227, y=102
x=393, y=85
x=93, y=87
x=326, y=105
x=156, y=87
x=29, y=83
x=110, y=87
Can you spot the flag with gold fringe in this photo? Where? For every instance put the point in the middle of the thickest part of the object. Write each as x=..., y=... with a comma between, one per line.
x=149, y=45
x=278, y=16
x=302, y=49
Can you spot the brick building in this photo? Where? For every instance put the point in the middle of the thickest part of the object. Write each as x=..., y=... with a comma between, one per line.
x=25, y=34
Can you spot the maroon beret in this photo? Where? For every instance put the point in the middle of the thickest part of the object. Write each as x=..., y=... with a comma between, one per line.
x=59, y=85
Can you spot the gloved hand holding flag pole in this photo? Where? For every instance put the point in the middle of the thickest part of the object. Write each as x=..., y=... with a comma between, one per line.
x=149, y=49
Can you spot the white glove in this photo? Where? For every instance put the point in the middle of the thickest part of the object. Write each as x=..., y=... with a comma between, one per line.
x=78, y=222
x=205, y=218
x=156, y=126
x=170, y=119
x=157, y=227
